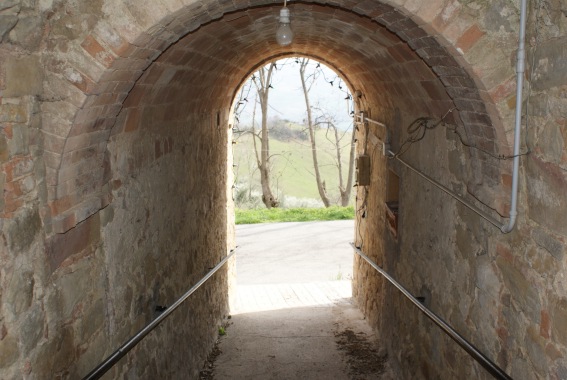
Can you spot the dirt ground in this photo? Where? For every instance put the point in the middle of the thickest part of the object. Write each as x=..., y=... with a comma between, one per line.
x=363, y=357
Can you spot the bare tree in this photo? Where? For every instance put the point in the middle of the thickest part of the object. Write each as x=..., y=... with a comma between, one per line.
x=262, y=80
x=321, y=187
x=344, y=189
x=309, y=74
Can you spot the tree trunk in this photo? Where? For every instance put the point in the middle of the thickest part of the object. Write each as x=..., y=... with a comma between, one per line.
x=320, y=182
x=346, y=190
x=263, y=87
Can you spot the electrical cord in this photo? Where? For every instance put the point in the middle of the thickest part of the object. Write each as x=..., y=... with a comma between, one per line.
x=419, y=127
x=496, y=156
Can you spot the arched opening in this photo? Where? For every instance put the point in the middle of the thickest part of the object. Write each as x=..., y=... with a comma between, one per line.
x=296, y=133
x=293, y=252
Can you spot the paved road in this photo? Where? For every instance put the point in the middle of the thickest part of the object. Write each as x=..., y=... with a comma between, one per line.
x=273, y=253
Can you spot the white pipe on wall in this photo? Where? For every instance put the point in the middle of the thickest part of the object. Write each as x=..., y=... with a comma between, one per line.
x=520, y=68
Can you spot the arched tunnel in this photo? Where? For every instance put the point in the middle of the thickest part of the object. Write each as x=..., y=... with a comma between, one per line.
x=119, y=195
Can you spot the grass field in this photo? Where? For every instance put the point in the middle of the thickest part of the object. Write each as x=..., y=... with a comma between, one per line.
x=292, y=173
x=274, y=215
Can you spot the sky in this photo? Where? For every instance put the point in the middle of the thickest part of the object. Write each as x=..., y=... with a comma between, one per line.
x=286, y=98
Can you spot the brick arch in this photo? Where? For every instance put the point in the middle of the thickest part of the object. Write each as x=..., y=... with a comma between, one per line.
x=344, y=76
x=388, y=54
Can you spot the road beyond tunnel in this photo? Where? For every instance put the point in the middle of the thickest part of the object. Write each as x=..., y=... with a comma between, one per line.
x=294, y=252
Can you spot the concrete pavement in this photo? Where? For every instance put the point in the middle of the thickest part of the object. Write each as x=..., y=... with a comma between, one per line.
x=294, y=317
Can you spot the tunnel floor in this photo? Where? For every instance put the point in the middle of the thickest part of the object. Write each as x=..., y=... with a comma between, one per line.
x=300, y=329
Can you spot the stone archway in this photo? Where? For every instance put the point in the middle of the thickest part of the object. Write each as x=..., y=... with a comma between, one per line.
x=373, y=43
x=140, y=131
x=113, y=153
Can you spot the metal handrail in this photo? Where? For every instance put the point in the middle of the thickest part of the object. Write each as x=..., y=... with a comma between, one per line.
x=388, y=153
x=113, y=358
x=445, y=189
x=489, y=365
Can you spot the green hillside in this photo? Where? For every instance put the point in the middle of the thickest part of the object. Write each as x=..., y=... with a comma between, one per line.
x=292, y=173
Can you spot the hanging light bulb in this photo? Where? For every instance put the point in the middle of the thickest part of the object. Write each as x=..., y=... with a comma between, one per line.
x=284, y=34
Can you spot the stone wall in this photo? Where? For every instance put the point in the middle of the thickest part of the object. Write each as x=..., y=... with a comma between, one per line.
x=164, y=230
x=70, y=304
x=69, y=299
x=504, y=293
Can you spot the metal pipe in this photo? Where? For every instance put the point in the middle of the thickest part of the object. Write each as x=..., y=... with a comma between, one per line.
x=520, y=68
x=113, y=358
x=490, y=366
x=386, y=143
x=469, y=205
x=363, y=119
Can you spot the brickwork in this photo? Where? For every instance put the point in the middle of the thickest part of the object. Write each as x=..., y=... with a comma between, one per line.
x=113, y=171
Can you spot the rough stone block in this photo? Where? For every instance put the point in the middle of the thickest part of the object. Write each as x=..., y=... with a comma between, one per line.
x=20, y=293
x=551, y=65
x=486, y=278
x=31, y=329
x=15, y=113
x=22, y=230
x=73, y=290
x=106, y=215
x=18, y=167
x=5, y=5
x=86, y=140
x=535, y=346
x=551, y=137
x=60, y=352
x=523, y=291
x=9, y=352
x=54, y=144
x=20, y=141
x=23, y=77
x=80, y=212
x=544, y=324
x=57, y=88
x=63, y=223
x=545, y=178
x=2, y=202
x=60, y=115
x=4, y=153
x=7, y=22
x=28, y=31
x=61, y=246
x=80, y=80
x=555, y=247
x=559, y=321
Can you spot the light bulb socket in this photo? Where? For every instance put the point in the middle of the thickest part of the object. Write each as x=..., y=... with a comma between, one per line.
x=284, y=15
